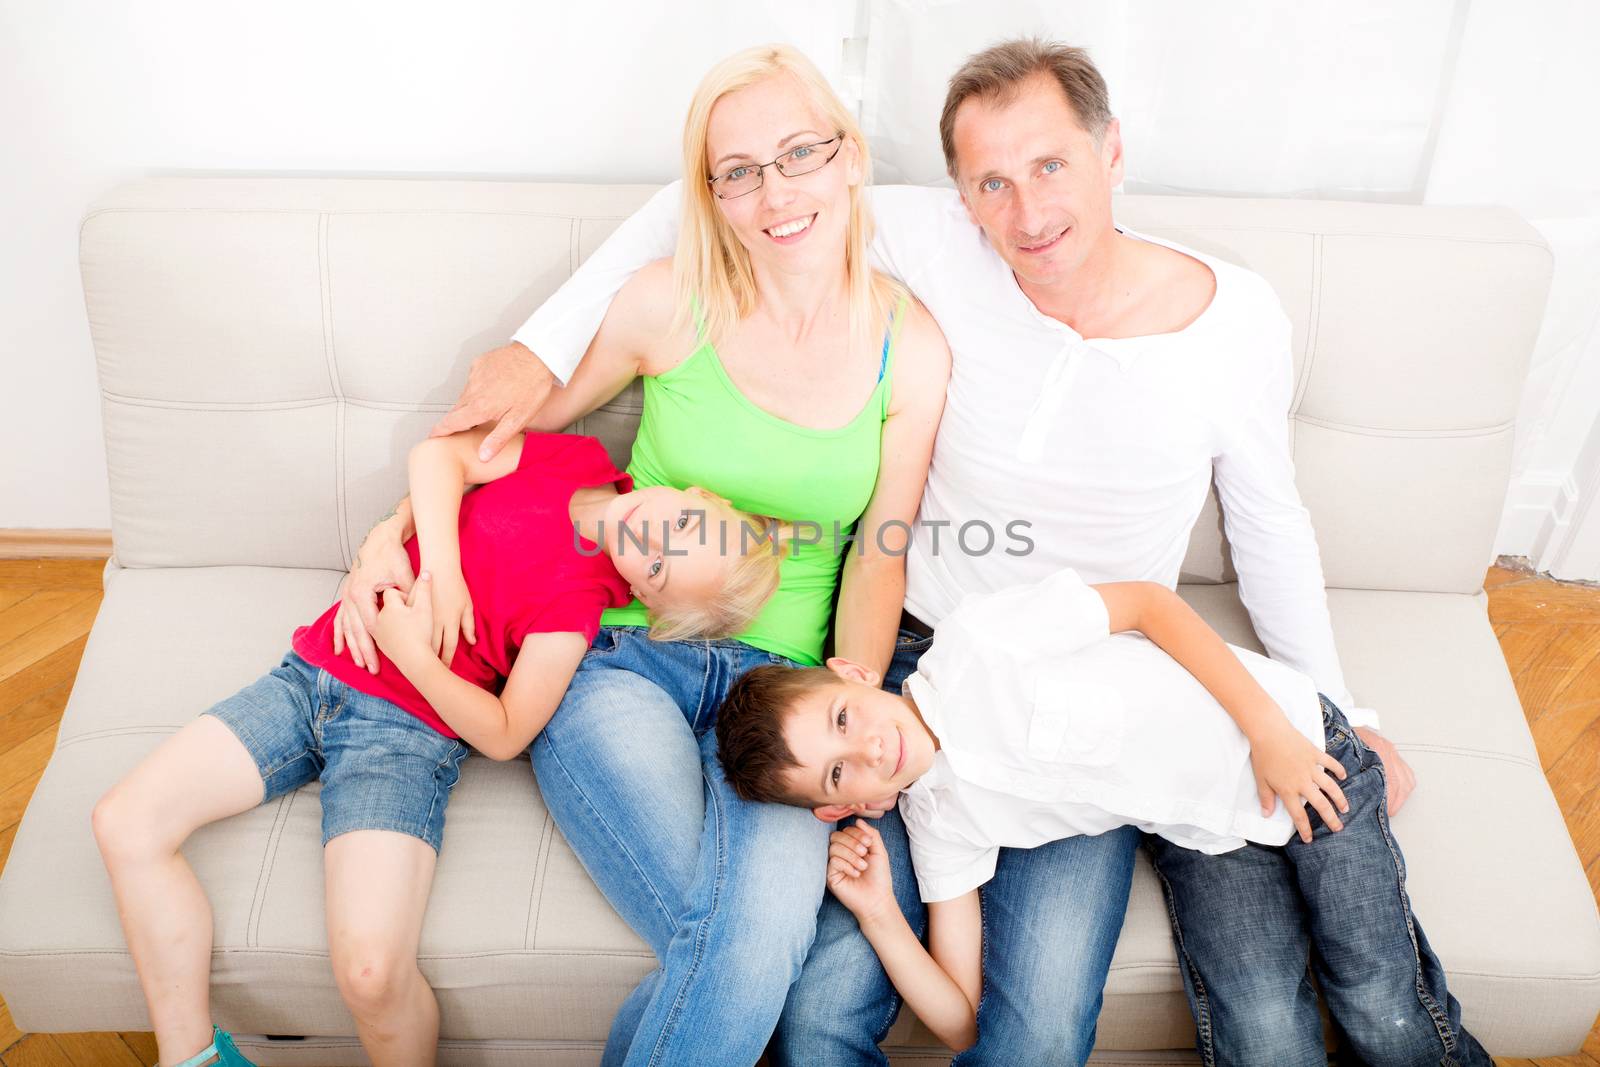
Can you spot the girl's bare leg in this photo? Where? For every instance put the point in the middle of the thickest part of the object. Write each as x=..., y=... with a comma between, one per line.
x=377, y=885
x=199, y=775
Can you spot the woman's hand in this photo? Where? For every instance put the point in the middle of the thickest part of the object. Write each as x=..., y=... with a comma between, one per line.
x=381, y=563
x=452, y=615
x=404, y=629
x=1291, y=768
x=858, y=872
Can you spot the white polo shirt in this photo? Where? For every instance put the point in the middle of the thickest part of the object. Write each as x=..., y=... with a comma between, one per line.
x=1057, y=451
x=1050, y=727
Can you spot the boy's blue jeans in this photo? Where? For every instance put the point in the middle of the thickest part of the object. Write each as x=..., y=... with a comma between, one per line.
x=1248, y=922
x=1051, y=917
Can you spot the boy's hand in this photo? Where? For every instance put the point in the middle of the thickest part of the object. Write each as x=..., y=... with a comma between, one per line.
x=452, y=615
x=405, y=624
x=858, y=872
x=1290, y=767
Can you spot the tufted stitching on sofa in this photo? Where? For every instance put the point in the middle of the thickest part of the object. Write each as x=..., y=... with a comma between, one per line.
x=313, y=954
x=341, y=501
x=1178, y=229
x=372, y=404
x=253, y=1043
x=1313, y=322
x=216, y=405
x=1150, y=225
x=269, y=857
x=1471, y=753
x=1493, y=430
x=541, y=862
x=617, y=406
x=121, y=731
x=122, y=953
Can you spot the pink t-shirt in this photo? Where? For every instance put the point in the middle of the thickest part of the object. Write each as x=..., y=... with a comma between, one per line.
x=522, y=565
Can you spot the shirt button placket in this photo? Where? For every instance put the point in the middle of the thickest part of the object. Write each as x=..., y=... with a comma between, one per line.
x=1053, y=393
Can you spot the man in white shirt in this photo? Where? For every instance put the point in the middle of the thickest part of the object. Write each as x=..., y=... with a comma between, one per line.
x=1057, y=709
x=1100, y=381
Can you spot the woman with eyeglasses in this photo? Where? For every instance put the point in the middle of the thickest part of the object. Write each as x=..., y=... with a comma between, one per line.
x=781, y=372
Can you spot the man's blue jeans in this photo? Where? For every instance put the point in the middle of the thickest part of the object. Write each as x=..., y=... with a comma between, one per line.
x=1051, y=917
x=1248, y=922
x=724, y=891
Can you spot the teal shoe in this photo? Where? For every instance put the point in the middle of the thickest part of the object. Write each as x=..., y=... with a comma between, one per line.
x=220, y=1053
x=227, y=1055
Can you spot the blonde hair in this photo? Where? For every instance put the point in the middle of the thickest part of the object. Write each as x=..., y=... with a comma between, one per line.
x=711, y=267
x=747, y=584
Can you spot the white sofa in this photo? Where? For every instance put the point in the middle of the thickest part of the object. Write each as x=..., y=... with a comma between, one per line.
x=268, y=349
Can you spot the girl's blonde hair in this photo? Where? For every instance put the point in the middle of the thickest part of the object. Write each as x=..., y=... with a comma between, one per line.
x=711, y=268
x=748, y=583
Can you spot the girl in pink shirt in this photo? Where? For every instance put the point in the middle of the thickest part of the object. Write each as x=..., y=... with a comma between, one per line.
x=512, y=579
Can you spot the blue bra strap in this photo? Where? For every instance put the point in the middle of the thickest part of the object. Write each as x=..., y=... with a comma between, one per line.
x=888, y=339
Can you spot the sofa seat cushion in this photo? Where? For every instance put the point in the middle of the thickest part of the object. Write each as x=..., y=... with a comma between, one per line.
x=1492, y=872
x=517, y=940
x=520, y=945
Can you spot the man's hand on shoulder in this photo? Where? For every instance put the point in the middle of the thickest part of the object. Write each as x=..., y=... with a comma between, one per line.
x=506, y=386
x=1397, y=772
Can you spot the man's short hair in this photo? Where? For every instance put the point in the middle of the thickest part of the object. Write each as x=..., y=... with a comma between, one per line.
x=998, y=73
x=756, y=759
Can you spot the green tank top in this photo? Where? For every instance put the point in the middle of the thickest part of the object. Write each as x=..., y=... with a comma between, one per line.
x=699, y=429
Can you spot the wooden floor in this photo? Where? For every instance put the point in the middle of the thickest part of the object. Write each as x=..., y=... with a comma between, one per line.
x=46, y=608
x=1549, y=632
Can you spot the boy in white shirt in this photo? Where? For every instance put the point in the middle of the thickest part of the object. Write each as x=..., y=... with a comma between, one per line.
x=1038, y=714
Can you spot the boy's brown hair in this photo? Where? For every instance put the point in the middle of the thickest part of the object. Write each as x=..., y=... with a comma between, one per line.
x=756, y=759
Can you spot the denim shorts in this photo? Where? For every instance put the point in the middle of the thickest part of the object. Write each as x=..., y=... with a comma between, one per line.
x=382, y=768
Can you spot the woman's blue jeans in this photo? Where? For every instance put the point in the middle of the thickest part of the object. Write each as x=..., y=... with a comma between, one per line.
x=724, y=891
x=727, y=893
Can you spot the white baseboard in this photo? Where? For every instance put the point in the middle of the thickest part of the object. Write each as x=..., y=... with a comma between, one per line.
x=1573, y=550
x=1553, y=518
x=1538, y=506
x=55, y=544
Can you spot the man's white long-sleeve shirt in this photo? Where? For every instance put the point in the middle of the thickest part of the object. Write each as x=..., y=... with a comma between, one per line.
x=1103, y=447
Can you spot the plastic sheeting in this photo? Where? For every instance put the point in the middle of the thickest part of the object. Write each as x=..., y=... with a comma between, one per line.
x=1252, y=98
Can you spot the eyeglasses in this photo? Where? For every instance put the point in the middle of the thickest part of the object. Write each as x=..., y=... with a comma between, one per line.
x=747, y=177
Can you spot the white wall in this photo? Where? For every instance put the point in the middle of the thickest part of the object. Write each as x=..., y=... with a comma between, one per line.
x=1438, y=100
x=94, y=93
x=1248, y=98
x=1518, y=130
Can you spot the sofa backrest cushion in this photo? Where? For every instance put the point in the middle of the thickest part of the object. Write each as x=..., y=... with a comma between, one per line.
x=270, y=348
